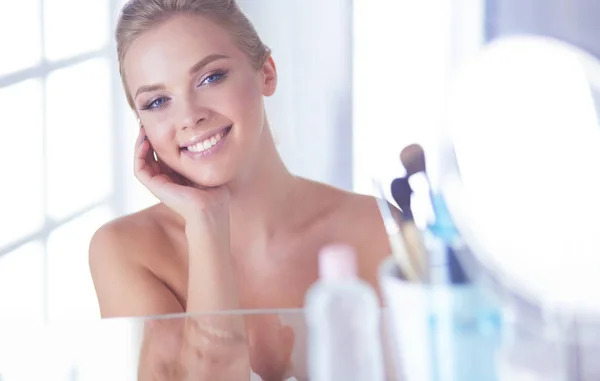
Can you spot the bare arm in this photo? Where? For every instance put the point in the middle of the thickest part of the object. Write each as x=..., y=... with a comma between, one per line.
x=218, y=343
x=199, y=347
x=123, y=286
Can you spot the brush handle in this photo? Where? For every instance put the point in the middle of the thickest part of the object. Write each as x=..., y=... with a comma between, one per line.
x=403, y=258
x=416, y=249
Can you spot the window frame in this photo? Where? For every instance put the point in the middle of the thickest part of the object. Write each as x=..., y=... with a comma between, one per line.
x=117, y=198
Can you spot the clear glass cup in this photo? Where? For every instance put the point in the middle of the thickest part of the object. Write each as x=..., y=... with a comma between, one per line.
x=464, y=333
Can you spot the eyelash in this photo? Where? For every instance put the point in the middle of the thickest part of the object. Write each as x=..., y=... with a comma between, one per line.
x=219, y=74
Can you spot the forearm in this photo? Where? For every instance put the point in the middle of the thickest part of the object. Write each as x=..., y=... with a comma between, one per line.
x=212, y=339
x=205, y=344
x=212, y=286
x=179, y=349
x=211, y=276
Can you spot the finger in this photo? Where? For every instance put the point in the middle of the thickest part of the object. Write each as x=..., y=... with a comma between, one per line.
x=143, y=170
x=151, y=159
x=158, y=184
x=141, y=142
x=144, y=155
x=170, y=193
x=141, y=148
x=175, y=176
x=141, y=137
x=149, y=171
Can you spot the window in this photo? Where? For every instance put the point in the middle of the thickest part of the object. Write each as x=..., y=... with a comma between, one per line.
x=400, y=78
x=397, y=108
x=58, y=116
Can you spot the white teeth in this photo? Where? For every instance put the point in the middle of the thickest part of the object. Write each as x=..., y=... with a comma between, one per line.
x=196, y=148
x=208, y=143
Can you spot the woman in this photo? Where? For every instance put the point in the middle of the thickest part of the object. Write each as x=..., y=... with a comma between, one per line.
x=234, y=229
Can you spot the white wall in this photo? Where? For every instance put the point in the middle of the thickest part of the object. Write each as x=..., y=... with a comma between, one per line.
x=404, y=51
x=311, y=112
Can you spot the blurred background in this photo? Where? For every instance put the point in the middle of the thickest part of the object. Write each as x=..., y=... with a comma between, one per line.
x=359, y=80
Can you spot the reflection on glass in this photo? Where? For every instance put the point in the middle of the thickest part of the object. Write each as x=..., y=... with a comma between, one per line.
x=224, y=346
x=250, y=345
x=74, y=27
x=70, y=291
x=22, y=283
x=21, y=35
x=78, y=136
x=21, y=193
x=207, y=348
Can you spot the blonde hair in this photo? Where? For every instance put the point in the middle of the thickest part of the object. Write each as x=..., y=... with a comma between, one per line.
x=138, y=16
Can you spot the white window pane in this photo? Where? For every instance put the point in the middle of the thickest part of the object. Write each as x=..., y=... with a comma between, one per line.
x=22, y=283
x=38, y=351
x=20, y=43
x=71, y=293
x=21, y=193
x=79, y=134
x=74, y=26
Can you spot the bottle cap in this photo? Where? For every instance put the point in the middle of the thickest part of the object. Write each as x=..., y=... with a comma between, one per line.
x=337, y=262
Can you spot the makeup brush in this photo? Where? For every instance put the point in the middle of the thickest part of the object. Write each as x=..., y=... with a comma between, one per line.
x=400, y=251
x=402, y=192
x=413, y=160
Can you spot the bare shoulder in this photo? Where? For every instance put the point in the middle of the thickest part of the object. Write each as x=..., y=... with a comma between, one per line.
x=354, y=214
x=364, y=228
x=126, y=237
x=118, y=257
x=361, y=218
x=354, y=219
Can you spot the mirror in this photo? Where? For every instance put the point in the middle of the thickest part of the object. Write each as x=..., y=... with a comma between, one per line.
x=521, y=172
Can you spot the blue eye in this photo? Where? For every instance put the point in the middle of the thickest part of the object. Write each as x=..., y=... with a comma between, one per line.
x=214, y=78
x=158, y=102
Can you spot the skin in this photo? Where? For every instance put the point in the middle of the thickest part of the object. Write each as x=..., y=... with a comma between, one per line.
x=233, y=230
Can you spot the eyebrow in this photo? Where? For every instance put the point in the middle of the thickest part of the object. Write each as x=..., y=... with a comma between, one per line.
x=205, y=61
x=194, y=69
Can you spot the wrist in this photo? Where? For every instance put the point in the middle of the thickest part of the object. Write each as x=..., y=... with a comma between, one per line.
x=200, y=236
x=194, y=224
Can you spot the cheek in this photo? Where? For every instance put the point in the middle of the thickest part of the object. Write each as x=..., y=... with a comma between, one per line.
x=160, y=134
x=244, y=104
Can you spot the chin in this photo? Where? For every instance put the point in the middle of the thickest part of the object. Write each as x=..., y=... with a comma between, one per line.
x=210, y=179
x=208, y=182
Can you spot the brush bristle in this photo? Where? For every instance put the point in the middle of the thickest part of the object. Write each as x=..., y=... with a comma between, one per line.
x=413, y=159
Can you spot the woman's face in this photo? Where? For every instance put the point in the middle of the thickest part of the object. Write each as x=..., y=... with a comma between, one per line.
x=198, y=97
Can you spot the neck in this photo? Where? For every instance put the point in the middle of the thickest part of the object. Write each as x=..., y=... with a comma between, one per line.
x=260, y=194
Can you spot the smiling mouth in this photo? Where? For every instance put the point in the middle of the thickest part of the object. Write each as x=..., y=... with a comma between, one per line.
x=207, y=143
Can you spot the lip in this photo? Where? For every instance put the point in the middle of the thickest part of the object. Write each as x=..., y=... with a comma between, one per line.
x=204, y=136
x=207, y=153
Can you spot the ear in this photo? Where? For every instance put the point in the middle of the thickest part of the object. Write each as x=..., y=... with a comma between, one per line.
x=269, y=77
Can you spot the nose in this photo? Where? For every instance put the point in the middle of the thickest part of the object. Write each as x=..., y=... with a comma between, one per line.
x=192, y=114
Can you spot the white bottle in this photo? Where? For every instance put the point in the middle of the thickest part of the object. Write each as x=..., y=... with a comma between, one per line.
x=343, y=319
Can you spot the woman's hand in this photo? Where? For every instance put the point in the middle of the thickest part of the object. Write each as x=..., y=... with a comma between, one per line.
x=194, y=205
x=271, y=345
